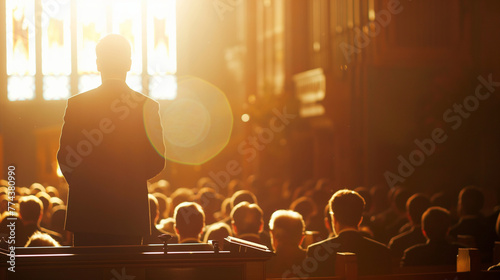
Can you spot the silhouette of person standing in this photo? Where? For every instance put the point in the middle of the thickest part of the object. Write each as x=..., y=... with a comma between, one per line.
x=111, y=144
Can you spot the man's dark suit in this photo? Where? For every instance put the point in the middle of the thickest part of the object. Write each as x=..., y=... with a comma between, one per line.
x=107, y=158
x=405, y=240
x=439, y=252
x=373, y=257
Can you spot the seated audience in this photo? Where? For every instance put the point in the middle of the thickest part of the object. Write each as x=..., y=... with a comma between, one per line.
x=241, y=196
x=437, y=250
x=346, y=209
x=306, y=208
x=39, y=239
x=178, y=196
x=154, y=213
x=163, y=205
x=189, y=222
x=31, y=211
x=472, y=222
x=47, y=208
x=210, y=201
x=52, y=191
x=415, y=207
x=217, y=232
x=247, y=222
x=287, y=232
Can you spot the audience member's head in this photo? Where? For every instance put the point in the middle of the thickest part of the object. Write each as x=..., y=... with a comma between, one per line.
x=470, y=201
x=47, y=207
x=400, y=197
x=39, y=239
x=189, y=221
x=305, y=206
x=346, y=208
x=218, y=232
x=436, y=222
x=30, y=209
x=163, y=204
x=287, y=229
x=246, y=218
x=58, y=219
x=36, y=188
x=56, y=201
x=113, y=54
x=52, y=191
x=241, y=196
x=180, y=195
x=210, y=201
x=154, y=213
x=416, y=206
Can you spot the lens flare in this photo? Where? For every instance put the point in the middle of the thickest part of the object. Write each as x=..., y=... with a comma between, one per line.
x=197, y=124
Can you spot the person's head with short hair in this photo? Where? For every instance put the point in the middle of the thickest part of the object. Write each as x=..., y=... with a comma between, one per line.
x=346, y=208
x=287, y=229
x=416, y=206
x=210, y=201
x=400, y=197
x=58, y=219
x=243, y=195
x=163, y=205
x=30, y=209
x=305, y=206
x=470, y=201
x=189, y=221
x=436, y=223
x=52, y=191
x=56, y=201
x=36, y=188
x=246, y=218
x=218, y=232
x=180, y=195
x=113, y=55
x=39, y=239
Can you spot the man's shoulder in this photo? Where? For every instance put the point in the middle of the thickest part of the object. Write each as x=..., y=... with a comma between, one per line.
x=375, y=245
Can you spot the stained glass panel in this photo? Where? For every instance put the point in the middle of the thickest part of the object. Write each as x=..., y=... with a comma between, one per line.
x=56, y=49
x=92, y=25
x=20, y=33
x=162, y=49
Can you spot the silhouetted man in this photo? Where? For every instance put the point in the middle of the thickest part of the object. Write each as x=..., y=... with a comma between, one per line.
x=346, y=210
x=111, y=144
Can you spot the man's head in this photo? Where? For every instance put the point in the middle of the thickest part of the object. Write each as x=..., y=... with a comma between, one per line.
x=30, y=209
x=287, y=228
x=346, y=208
x=470, y=201
x=113, y=55
x=247, y=218
x=416, y=206
x=189, y=220
x=436, y=223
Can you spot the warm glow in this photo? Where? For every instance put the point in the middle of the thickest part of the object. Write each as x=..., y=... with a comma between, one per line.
x=59, y=172
x=245, y=117
x=20, y=39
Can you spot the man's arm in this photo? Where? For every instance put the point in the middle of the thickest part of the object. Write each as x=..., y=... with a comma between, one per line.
x=154, y=131
x=67, y=156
